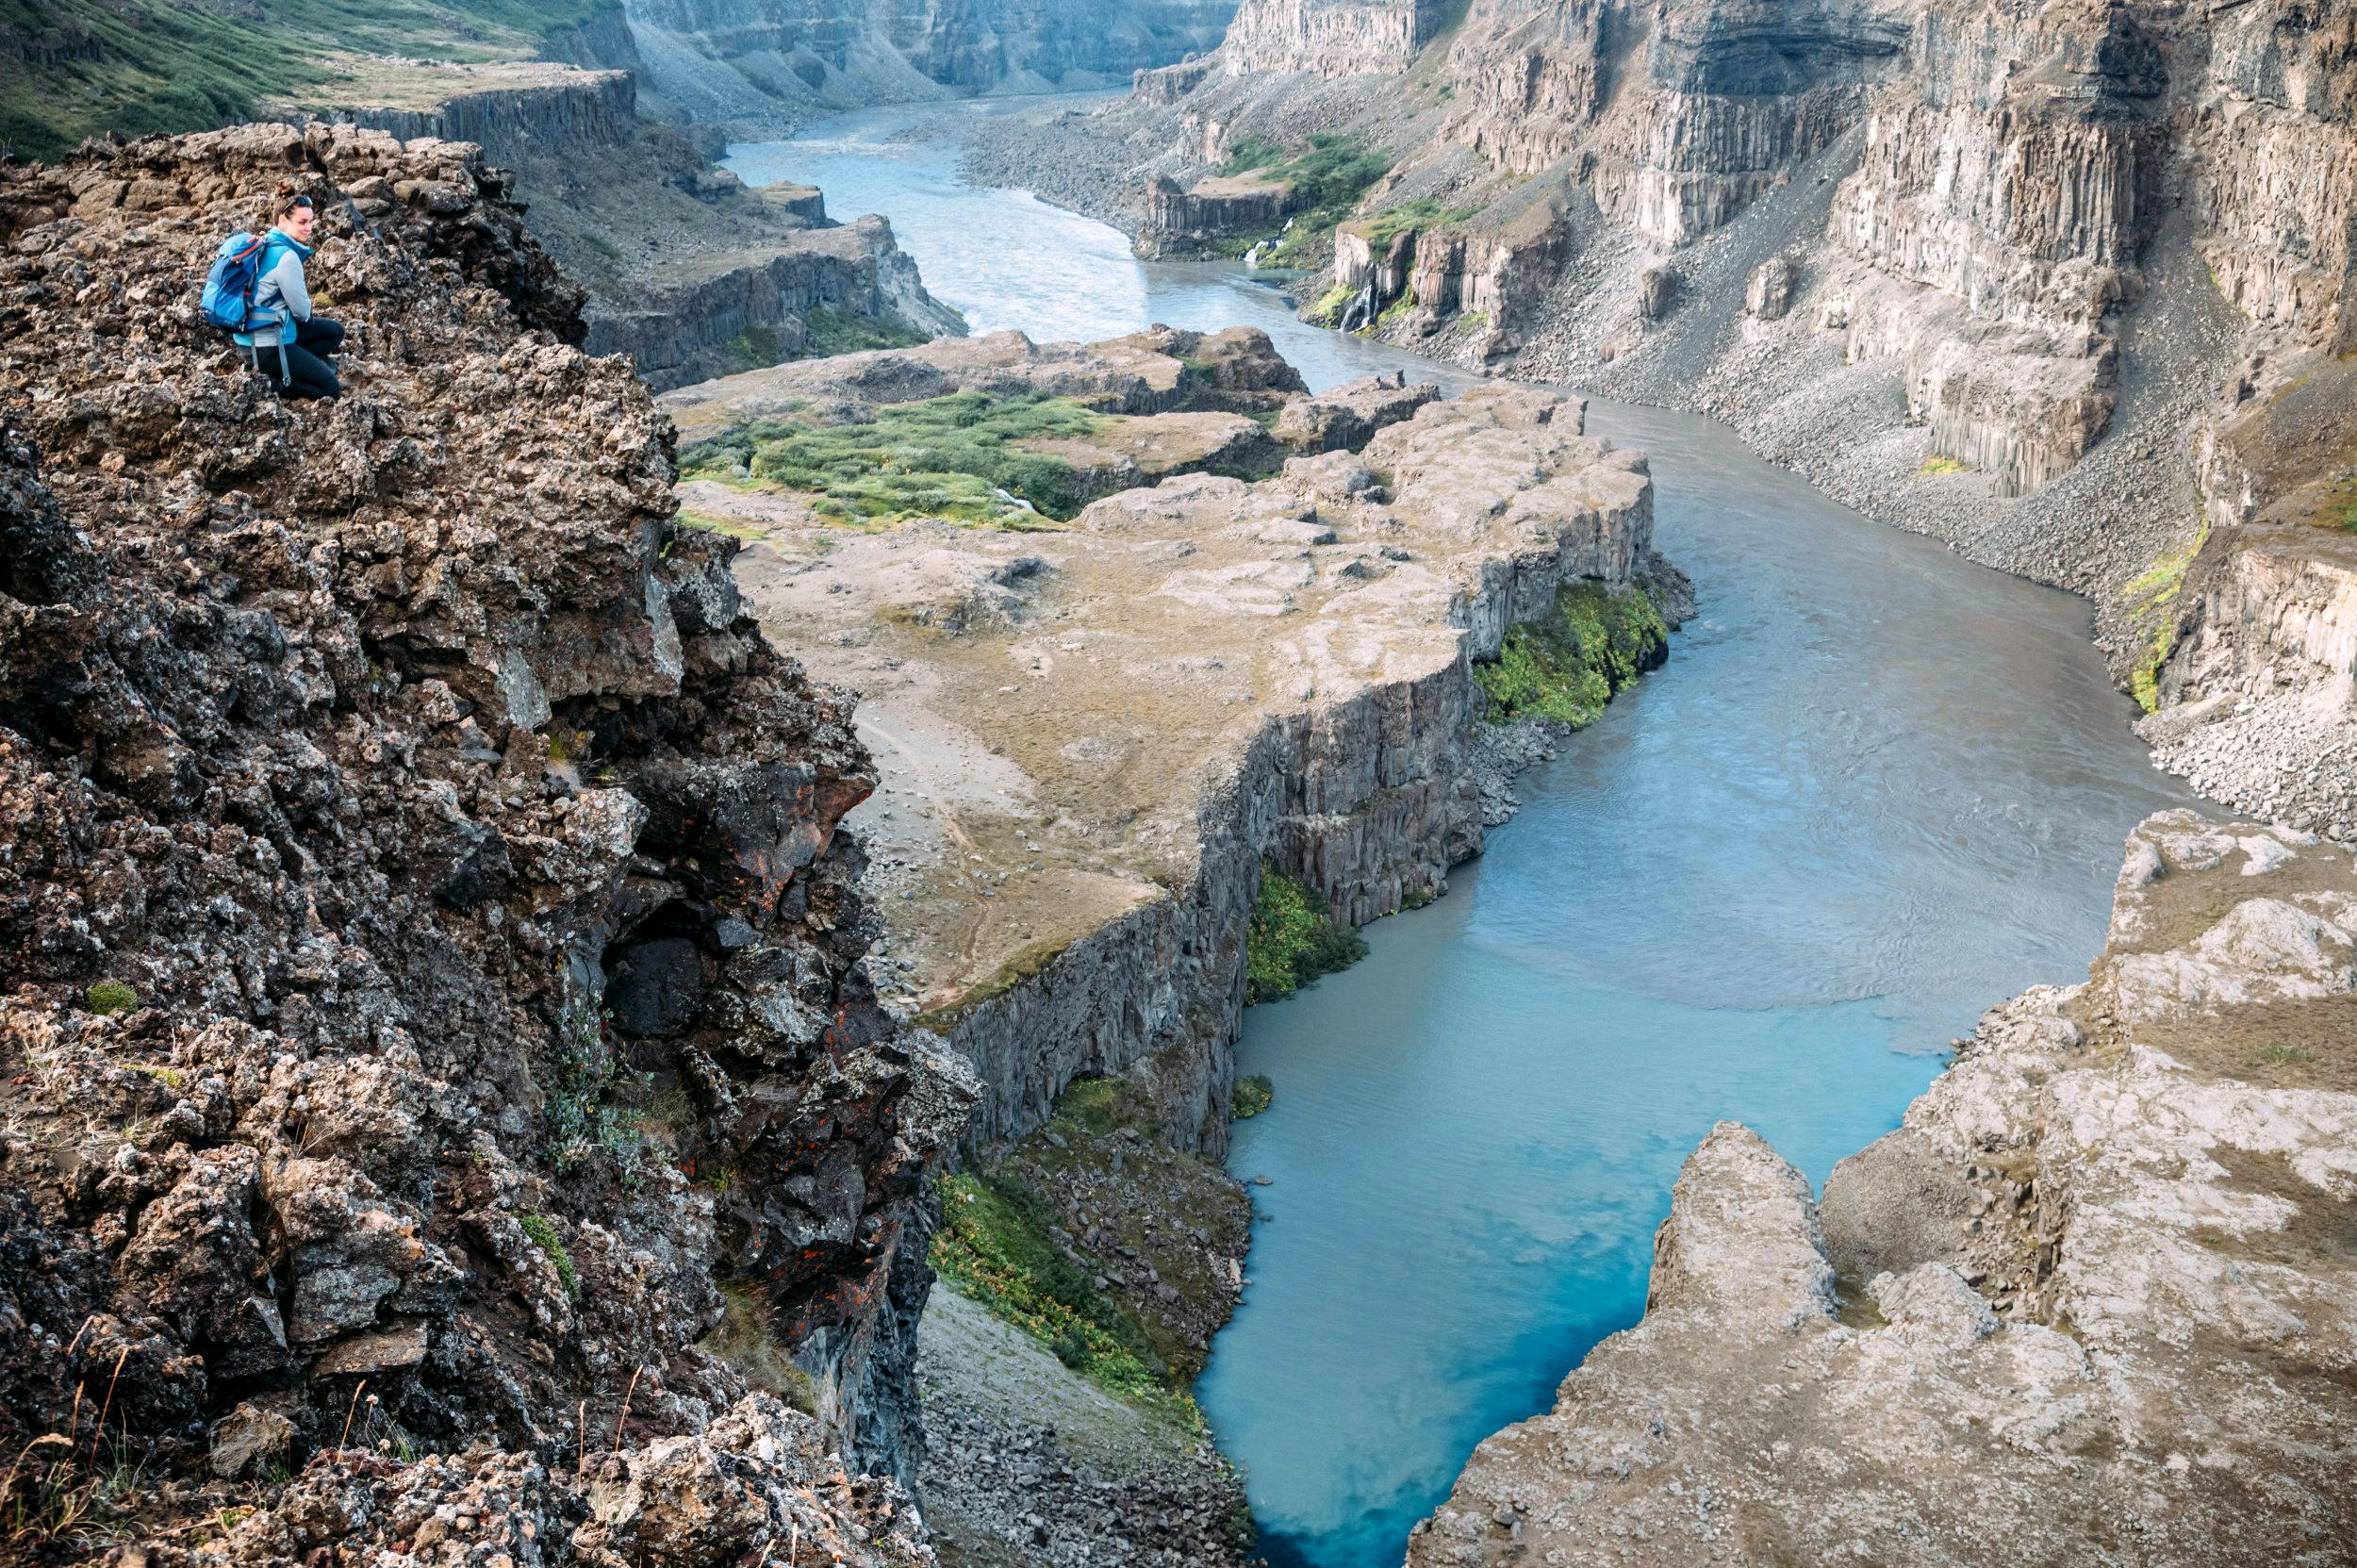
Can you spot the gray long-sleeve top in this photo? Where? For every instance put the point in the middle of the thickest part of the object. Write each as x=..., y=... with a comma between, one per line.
x=282, y=292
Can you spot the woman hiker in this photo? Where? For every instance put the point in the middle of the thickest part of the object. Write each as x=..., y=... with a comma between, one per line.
x=288, y=343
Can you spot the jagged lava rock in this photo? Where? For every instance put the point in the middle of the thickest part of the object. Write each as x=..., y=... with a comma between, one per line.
x=349, y=753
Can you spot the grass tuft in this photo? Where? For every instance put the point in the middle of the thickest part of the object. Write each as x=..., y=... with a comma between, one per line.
x=945, y=457
x=2152, y=604
x=543, y=1234
x=994, y=1243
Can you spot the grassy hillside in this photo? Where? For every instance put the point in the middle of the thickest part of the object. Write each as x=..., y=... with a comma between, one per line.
x=70, y=69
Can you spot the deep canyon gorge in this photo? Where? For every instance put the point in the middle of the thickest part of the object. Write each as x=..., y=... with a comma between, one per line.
x=1184, y=783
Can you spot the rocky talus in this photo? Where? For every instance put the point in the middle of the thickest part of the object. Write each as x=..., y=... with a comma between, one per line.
x=445, y=1063
x=2091, y=1302
x=2025, y=275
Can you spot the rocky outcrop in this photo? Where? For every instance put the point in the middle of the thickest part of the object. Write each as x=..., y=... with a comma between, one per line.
x=2091, y=1300
x=1161, y=371
x=680, y=328
x=440, y=1013
x=1214, y=215
x=1081, y=851
x=1346, y=418
x=1329, y=38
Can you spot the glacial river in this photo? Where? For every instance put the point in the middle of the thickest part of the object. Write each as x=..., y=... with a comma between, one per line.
x=1876, y=790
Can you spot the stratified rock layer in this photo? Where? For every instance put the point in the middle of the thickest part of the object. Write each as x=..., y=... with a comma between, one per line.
x=433, y=962
x=2091, y=1302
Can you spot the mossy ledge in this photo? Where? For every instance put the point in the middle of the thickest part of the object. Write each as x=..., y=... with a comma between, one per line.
x=1566, y=665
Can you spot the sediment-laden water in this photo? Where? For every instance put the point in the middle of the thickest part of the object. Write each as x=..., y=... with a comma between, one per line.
x=1876, y=790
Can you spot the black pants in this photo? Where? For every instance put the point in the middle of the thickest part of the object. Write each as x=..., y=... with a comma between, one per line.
x=305, y=372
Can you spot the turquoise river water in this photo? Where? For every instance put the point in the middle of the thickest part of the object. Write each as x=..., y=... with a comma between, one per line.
x=1875, y=790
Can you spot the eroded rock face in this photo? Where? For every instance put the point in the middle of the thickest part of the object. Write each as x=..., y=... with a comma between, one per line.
x=432, y=958
x=724, y=59
x=1329, y=38
x=2092, y=1299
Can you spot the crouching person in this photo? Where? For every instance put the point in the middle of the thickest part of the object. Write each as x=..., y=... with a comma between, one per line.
x=285, y=340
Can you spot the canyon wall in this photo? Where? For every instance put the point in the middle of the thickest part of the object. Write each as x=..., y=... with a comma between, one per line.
x=737, y=60
x=437, y=970
x=689, y=272
x=1329, y=38
x=2026, y=276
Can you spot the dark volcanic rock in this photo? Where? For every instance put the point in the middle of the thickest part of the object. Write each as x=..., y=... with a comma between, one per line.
x=340, y=744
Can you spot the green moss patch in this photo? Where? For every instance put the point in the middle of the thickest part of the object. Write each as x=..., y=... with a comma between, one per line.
x=1567, y=666
x=1253, y=1095
x=994, y=1245
x=543, y=1234
x=110, y=996
x=945, y=457
x=2151, y=602
x=1292, y=940
x=1329, y=307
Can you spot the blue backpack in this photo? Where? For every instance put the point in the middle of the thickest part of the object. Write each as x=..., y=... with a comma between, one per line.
x=228, y=302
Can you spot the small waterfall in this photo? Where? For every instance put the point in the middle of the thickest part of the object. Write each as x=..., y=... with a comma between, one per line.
x=1361, y=309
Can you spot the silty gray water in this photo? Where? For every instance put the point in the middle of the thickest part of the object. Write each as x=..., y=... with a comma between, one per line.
x=1875, y=790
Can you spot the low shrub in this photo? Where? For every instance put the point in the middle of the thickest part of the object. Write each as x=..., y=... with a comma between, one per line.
x=1567, y=666
x=1293, y=939
x=1253, y=1095
x=945, y=457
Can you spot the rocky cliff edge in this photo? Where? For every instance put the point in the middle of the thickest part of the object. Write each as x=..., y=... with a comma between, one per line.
x=434, y=1005
x=2091, y=1302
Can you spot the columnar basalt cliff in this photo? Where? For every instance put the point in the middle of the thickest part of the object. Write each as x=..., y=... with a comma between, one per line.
x=439, y=1013
x=1329, y=38
x=2091, y=1300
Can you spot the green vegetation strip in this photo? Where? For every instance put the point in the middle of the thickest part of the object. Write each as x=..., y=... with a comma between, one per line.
x=1328, y=179
x=161, y=65
x=1293, y=939
x=1414, y=217
x=2152, y=604
x=945, y=457
x=994, y=1244
x=1567, y=666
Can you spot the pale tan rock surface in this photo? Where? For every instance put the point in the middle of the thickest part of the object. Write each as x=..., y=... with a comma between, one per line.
x=2092, y=1302
x=1092, y=735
